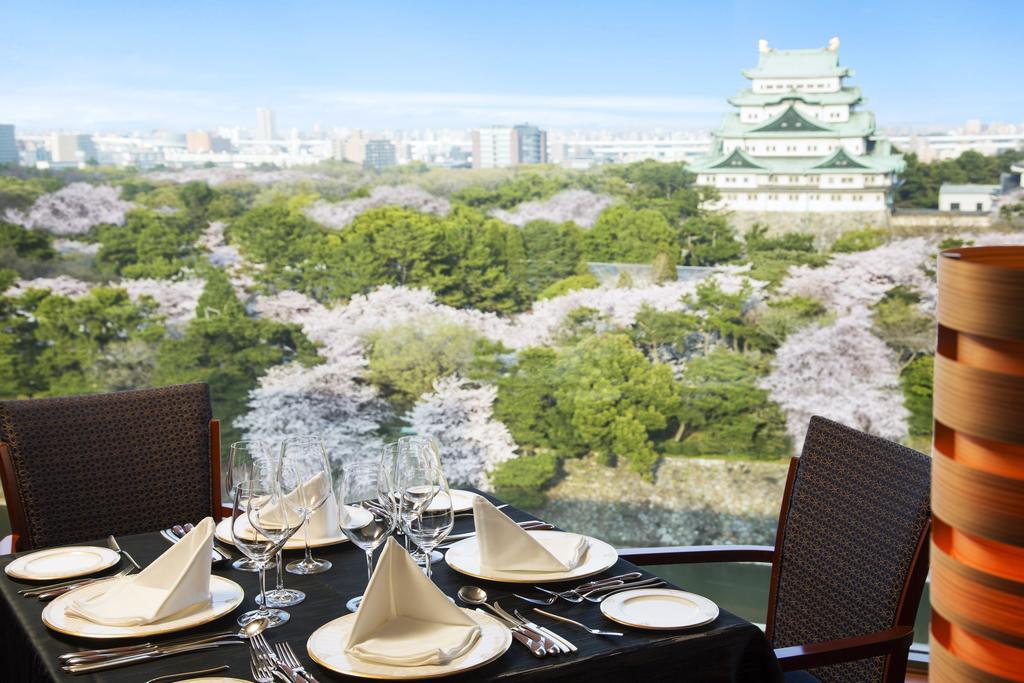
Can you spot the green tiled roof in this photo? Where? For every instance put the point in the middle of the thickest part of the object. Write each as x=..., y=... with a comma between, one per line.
x=860, y=124
x=790, y=121
x=749, y=98
x=737, y=159
x=868, y=163
x=797, y=64
x=946, y=188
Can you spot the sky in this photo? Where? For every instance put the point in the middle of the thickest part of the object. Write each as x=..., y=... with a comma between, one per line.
x=181, y=65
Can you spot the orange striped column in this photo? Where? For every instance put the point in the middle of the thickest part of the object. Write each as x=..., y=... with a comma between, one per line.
x=977, y=573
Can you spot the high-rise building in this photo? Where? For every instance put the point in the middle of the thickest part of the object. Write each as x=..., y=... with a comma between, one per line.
x=500, y=146
x=63, y=148
x=355, y=147
x=199, y=141
x=265, y=128
x=531, y=144
x=8, y=146
x=797, y=143
x=379, y=154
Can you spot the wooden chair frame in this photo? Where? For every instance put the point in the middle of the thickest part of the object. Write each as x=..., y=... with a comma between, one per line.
x=893, y=643
x=16, y=509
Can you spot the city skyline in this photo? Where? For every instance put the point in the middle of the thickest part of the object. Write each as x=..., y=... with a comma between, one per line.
x=571, y=65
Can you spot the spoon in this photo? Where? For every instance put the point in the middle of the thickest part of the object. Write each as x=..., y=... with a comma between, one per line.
x=474, y=595
x=253, y=628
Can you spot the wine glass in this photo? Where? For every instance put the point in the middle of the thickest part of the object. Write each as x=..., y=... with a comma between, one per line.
x=241, y=456
x=434, y=522
x=363, y=515
x=417, y=466
x=262, y=521
x=305, y=475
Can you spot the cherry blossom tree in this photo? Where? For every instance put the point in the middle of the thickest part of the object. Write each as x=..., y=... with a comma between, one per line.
x=176, y=299
x=62, y=285
x=459, y=414
x=840, y=371
x=73, y=209
x=580, y=206
x=337, y=215
x=331, y=400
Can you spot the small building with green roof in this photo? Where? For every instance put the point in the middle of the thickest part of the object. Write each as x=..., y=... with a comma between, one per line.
x=797, y=142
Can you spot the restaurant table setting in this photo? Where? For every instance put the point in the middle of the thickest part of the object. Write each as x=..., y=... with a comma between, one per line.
x=507, y=603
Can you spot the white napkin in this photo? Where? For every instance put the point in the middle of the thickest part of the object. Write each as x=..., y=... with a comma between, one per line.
x=323, y=523
x=505, y=546
x=176, y=581
x=405, y=620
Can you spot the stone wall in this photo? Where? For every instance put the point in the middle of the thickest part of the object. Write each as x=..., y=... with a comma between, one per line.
x=693, y=501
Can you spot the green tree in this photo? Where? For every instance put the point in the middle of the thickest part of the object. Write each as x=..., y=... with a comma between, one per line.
x=859, y=240
x=708, y=240
x=663, y=269
x=916, y=380
x=780, y=318
x=727, y=318
x=626, y=235
x=553, y=251
x=522, y=480
x=528, y=406
x=30, y=244
x=898, y=320
x=654, y=329
x=229, y=350
x=723, y=411
x=147, y=245
x=569, y=284
x=404, y=360
x=616, y=398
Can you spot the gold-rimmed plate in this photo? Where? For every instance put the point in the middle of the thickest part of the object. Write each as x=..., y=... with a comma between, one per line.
x=659, y=609
x=222, y=532
x=462, y=501
x=225, y=595
x=464, y=557
x=62, y=563
x=326, y=647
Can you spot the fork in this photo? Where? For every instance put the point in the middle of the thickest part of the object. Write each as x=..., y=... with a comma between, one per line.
x=592, y=631
x=262, y=672
x=287, y=655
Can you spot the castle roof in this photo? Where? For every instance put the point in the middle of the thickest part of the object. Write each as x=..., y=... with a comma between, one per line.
x=747, y=97
x=791, y=122
x=839, y=161
x=811, y=63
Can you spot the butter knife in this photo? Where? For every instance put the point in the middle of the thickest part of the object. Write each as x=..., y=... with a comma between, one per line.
x=146, y=656
x=559, y=639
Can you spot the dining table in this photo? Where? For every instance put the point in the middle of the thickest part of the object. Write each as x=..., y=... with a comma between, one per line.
x=727, y=649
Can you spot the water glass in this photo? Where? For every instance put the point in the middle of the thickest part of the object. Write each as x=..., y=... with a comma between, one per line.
x=305, y=476
x=365, y=517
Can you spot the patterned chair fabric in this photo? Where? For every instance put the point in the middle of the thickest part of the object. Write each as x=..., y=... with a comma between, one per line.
x=117, y=463
x=858, y=507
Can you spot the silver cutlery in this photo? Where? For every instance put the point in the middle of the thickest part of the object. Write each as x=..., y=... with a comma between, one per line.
x=57, y=592
x=650, y=583
x=158, y=653
x=181, y=529
x=540, y=646
x=551, y=642
x=112, y=542
x=562, y=641
x=189, y=674
x=172, y=538
x=251, y=629
x=592, y=631
x=262, y=669
x=35, y=591
x=279, y=666
x=287, y=655
x=574, y=595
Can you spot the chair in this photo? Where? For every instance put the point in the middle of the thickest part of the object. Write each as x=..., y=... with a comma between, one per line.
x=79, y=468
x=849, y=561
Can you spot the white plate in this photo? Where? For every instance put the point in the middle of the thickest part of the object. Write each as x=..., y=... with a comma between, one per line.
x=326, y=648
x=659, y=609
x=62, y=563
x=461, y=500
x=225, y=596
x=464, y=557
x=222, y=533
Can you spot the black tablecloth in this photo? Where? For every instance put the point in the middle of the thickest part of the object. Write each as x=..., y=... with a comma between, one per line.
x=729, y=649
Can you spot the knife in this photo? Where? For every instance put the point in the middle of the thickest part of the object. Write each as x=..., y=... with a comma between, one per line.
x=559, y=639
x=145, y=656
x=550, y=644
x=112, y=542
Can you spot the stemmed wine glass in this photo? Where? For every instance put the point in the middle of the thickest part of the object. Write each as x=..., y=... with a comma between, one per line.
x=305, y=476
x=414, y=463
x=241, y=456
x=364, y=515
x=434, y=522
x=258, y=503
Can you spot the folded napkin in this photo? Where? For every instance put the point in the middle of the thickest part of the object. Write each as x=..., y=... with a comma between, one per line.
x=505, y=546
x=405, y=620
x=176, y=581
x=323, y=523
